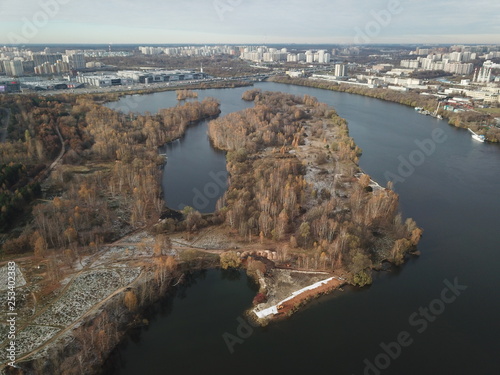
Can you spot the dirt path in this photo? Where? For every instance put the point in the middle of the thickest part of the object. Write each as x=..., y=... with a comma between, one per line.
x=61, y=153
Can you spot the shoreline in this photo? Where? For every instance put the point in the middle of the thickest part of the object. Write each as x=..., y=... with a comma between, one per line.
x=286, y=307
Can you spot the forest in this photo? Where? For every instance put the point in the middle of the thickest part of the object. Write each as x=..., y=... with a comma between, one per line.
x=108, y=182
x=468, y=119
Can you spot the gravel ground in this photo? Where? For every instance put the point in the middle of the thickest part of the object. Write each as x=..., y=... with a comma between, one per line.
x=20, y=281
x=85, y=291
x=282, y=283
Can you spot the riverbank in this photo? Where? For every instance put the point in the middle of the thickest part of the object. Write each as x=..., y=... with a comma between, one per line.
x=288, y=290
x=462, y=120
x=96, y=305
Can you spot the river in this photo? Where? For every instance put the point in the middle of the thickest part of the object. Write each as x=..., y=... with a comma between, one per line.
x=441, y=306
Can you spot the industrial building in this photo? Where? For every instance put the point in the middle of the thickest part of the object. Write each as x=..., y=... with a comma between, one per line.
x=51, y=85
x=102, y=80
x=9, y=86
x=128, y=77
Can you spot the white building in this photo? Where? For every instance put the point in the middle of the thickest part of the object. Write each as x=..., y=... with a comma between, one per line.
x=75, y=59
x=340, y=70
x=410, y=64
x=295, y=73
x=459, y=68
x=483, y=75
x=13, y=68
x=309, y=57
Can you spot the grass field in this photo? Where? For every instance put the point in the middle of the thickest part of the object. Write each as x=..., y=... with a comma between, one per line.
x=493, y=111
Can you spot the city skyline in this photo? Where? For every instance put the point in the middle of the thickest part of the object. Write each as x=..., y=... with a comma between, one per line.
x=242, y=21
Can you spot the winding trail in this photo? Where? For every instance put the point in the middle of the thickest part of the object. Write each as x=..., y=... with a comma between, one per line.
x=61, y=153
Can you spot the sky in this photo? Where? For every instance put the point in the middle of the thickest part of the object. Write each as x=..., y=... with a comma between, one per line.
x=249, y=21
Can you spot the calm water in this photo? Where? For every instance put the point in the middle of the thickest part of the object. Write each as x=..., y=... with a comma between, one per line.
x=195, y=174
x=452, y=192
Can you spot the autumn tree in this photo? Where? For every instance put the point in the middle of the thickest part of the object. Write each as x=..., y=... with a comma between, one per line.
x=130, y=300
x=229, y=259
x=39, y=245
x=360, y=268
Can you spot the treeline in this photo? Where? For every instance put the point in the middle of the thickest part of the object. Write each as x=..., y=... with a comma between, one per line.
x=271, y=196
x=185, y=94
x=123, y=137
x=430, y=74
x=466, y=119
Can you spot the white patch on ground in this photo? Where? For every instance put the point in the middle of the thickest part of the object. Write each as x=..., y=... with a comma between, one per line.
x=29, y=339
x=84, y=292
x=20, y=281
x=282, y=283
x=205, y=239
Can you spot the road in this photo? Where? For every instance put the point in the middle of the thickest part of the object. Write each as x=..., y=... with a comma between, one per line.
x=150, y=86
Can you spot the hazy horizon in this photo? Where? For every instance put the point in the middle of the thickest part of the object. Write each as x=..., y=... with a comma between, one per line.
x=244, y=22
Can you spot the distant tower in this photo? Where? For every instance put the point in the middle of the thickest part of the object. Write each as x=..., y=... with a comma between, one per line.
x=201, y=69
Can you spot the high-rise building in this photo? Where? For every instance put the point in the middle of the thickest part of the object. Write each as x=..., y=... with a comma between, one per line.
x=41, y=58
x=75, y=59
x=13, y=68
x=29, y=66
x=410, y=64
x=309, y=56
x=340, y=70
x=483, y=75
x=321, y=56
